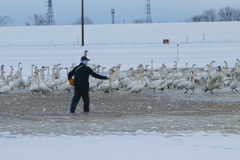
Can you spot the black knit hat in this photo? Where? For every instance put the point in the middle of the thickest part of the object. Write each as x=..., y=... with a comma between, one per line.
x=84, y=58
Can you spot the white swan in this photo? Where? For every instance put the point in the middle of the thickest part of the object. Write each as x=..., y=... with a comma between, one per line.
x=238, y=72
x=225, y=83
x=31, y=76
x=191, y=85
x=41, y=86
x=176, y=82
x=57, y=68
x=233, y=84
x=66, y=85
x=93, y=85
x=51, y=82
x=20, y=81
x=16, y=75
x=151, y=70
x=212, y=83
x=2, y=78
x=58, y=80
x=185, y=83
x=203, y=75
x=106, y=87
x=158, y=75
x=9, y=77
x=136, y=81
x=48, y=75
x=228, y=74
x=5, y=88
x=125, y=82
x=140, y=87
x=98, y=81
x=34, y=85
x=10, y=82
x=171, y=81
x=116, y=82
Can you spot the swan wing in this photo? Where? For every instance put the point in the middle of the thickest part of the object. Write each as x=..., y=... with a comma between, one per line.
x=214, y=79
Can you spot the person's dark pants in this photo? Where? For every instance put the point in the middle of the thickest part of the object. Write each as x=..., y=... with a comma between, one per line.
x=76, y=98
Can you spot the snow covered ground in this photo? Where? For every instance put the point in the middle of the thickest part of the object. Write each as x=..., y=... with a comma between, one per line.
x=127, y=55
x=128, y=45
x=140, y=146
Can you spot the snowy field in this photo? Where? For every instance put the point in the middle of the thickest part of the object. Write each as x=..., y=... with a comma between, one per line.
x=140, y=146
x=21, y=133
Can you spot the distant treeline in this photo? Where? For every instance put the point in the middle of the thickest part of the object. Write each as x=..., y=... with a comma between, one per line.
x=212, y=15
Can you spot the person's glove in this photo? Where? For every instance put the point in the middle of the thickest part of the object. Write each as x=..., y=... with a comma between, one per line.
x=105, y=77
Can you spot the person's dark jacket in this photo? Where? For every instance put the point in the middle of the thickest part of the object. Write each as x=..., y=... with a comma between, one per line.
x=81, y=76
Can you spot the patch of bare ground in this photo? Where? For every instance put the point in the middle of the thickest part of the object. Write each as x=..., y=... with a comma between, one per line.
x=117, y=112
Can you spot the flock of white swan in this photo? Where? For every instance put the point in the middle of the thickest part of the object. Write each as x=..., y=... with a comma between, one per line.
x=134, y=80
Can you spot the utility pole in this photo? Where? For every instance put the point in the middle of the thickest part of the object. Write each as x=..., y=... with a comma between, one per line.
x=50, y=16
x=112, y=11
x=82, y=25
x=148, y=19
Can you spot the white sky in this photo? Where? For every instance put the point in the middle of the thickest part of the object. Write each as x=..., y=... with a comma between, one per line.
x=66, y=12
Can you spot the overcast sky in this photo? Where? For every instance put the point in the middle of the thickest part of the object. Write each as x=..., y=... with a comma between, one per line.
x=99, y=11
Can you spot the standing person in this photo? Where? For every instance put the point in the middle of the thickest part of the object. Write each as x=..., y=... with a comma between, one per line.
x=81, y=74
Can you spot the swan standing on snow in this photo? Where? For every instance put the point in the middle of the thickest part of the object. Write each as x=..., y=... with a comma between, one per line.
x=51, y=82
x=176, y=82
x=212, y=83
x=20, y=81
x=34, y=85
x=2, y=78
x=66, y=85
x=171, y=81
x=58, y=80
x=192, y=85
x=140, y=87
x=116, y=82
x=41, y=86
x=5, y=88
x=106, y=87
x=233, y=84
x=153, y=84
x=185, y=83
x=10, y=82
x=228, y=74
x=31, y=76
x=16, y=75
x=135, y=82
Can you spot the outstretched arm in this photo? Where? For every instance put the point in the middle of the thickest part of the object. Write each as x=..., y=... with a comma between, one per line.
x=90, y=71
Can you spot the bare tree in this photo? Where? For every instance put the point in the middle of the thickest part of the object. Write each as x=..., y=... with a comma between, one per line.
x=5, y=20
x=223, y=14
x=229, y=14
x=142, y=20
x=197, y=18
x=37, y=20
x=86, y=21
x=210, y=15
x=236, y=14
